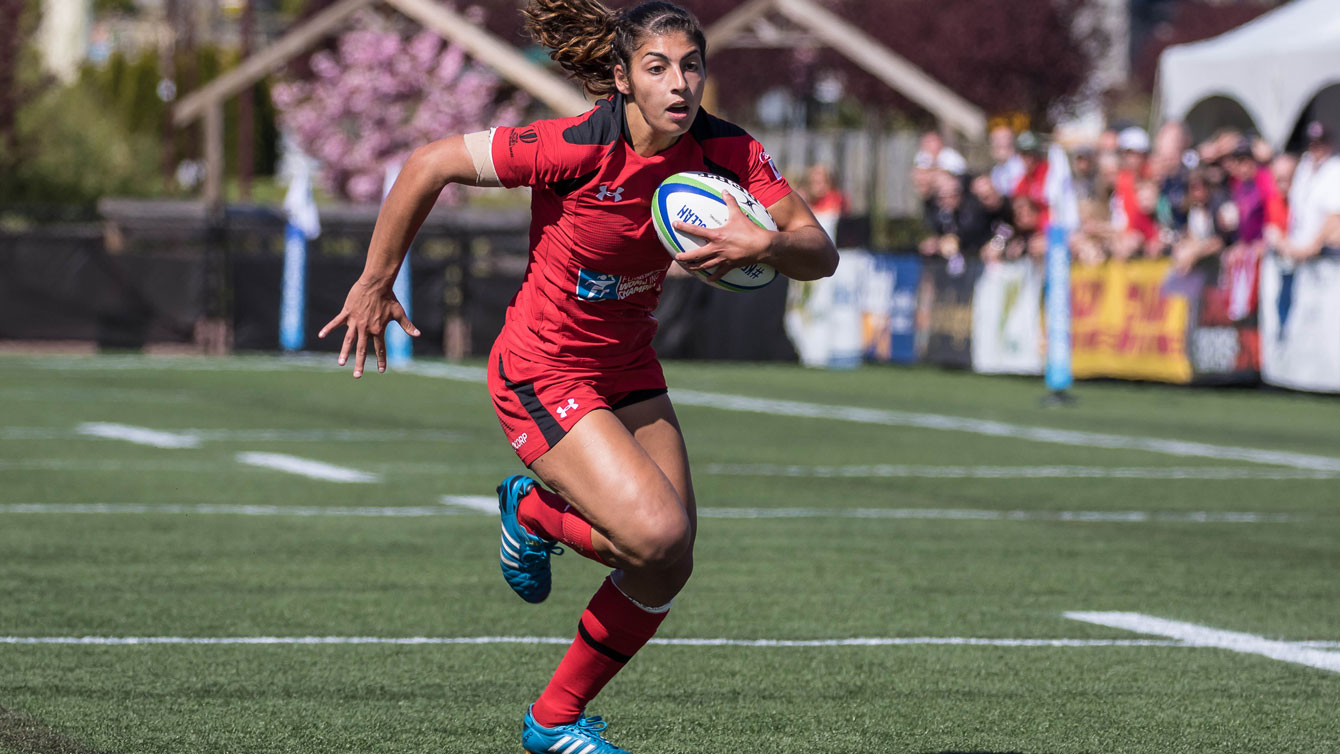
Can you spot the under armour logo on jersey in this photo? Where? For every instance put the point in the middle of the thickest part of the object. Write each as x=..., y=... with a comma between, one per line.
x=563, y=410
x=605, y=192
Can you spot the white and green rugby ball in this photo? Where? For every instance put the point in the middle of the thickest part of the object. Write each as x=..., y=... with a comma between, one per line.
x=699, y=199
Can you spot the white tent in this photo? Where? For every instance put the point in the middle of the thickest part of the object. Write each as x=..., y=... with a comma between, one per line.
x=1273, y=66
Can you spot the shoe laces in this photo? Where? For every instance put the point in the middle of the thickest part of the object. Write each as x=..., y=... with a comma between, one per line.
x=592, y=723
x=545, y=549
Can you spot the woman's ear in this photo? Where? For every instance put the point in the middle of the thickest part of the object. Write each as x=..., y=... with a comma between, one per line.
x=621, y=81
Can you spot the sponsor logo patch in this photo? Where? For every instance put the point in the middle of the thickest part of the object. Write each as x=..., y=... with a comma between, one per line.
x=527, y=137
x=597, y=286
x=603, y=286
x=766, y=159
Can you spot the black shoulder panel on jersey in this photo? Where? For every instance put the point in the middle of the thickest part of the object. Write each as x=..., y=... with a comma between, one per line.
x=600, y=128
x=708, y=126
x=721, y=170
x=569, y=185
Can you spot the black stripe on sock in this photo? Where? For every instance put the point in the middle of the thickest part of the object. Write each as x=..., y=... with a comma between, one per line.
x=601, y=648
x=549, y=426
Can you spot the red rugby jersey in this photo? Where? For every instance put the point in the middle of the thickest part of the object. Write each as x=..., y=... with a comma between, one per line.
x=596, y=266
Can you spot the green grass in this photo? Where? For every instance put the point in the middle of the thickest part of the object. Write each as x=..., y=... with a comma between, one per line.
x=825, y=577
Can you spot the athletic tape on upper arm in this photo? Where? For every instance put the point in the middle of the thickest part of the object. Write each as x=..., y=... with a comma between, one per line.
x=480, y=146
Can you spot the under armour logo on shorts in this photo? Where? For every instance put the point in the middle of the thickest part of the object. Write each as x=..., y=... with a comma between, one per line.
x=563, y=410
x=617, y=193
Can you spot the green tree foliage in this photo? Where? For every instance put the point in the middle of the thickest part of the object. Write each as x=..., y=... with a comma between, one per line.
x=71, y=152
x=21, y=17
x=103, y=135
x=127, y=7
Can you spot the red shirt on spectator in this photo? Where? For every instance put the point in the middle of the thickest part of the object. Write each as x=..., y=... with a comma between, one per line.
x=833, y=201
x=1033, y=185
x=1126, y=204
x=1277, y=204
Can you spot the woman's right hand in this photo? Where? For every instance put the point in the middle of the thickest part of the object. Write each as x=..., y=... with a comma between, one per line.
x=367, y=310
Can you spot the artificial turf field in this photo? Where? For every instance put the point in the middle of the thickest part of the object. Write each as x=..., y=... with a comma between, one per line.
x=921, y=510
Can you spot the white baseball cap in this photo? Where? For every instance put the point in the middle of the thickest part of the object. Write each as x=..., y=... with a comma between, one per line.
x=951, y=161
x=1134, y=139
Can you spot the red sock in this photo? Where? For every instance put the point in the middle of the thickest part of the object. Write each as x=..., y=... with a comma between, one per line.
x=547, y=515
x=610, y=632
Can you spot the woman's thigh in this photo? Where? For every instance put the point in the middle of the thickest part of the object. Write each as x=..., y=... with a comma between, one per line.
x=655, y=427
x=603, y=469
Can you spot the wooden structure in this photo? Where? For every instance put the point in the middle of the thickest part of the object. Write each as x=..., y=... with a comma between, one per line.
x=815, y=23
x=207, y=102
x=821, y=25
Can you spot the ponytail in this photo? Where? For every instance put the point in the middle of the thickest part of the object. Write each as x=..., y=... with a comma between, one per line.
x=588, y=39
x=580, y=37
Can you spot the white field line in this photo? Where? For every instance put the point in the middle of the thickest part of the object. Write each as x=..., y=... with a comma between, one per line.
x=565, y=640
x=95, y=395
x=312, y=362
x=904, y=471
x=970, y=514
x=1204, y=636
x=484, y=504
x=754, y=405
x=306, y=467
x=259, y=435
x=1002, y=429
x=876, y=471
x=136, y=362
x=138, y=435
x=230, y=509
x=97, y=465
x=481, y=503
x=329, y=435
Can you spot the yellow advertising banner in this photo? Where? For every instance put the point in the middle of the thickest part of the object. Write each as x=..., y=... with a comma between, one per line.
x=1124, y=327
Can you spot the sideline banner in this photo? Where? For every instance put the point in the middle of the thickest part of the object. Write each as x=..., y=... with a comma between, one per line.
x=1225, y=344
x=1124, y=326
x=1300, y=324
x=1007, y=319
x=944, y=311
x=889, y=308
x=823, y=317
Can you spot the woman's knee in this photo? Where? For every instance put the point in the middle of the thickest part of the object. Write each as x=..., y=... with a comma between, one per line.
x=660, y=542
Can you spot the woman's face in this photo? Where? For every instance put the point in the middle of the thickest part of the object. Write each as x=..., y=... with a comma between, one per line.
x=1025, y=214
x=1197, y=192
x=665, y=80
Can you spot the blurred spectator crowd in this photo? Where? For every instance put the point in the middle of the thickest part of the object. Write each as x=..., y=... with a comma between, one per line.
x=1229, y=199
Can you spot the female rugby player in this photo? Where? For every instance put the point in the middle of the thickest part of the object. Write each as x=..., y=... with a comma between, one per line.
x=575, y=382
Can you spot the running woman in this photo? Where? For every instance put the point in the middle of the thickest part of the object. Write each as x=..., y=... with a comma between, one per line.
x=575, y=382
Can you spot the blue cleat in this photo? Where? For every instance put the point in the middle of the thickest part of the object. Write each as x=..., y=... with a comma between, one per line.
x=523, y=556
x=580, y=737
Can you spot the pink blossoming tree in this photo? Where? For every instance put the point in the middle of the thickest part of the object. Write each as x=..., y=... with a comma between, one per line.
x=379, y=95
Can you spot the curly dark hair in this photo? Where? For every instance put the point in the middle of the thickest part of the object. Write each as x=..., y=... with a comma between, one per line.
x=588, y=39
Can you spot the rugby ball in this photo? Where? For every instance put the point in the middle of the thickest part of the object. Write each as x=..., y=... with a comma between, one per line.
x=699, y=199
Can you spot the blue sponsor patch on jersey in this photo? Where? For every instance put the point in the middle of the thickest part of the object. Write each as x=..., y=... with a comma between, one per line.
x=597, y=286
